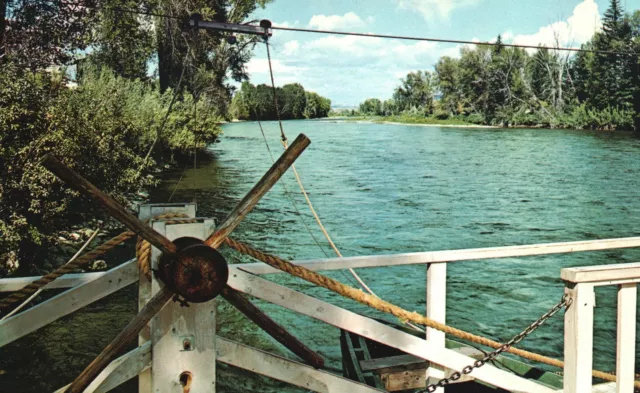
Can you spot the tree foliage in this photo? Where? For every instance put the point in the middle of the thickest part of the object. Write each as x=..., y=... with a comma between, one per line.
x=509, y=86
x=102, y=129
x=256, y=103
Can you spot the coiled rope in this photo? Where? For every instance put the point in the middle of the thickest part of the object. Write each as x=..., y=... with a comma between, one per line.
x=389, y=308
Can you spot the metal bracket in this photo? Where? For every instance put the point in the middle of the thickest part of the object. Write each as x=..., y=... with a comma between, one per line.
x=195, y=21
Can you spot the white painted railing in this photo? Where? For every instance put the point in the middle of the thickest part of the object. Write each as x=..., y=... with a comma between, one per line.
x=578, y=334
x=87, y=288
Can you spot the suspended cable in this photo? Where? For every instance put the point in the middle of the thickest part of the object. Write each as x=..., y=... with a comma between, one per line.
x=448, y=40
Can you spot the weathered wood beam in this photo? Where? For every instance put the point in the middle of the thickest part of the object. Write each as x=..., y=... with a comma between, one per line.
x=449, y=256
x=257, y=192
x=272, y=328
x=121, y=370
x=66, y=281
x=285, y=370
x=123, y=338
x=373, y=330
x=84, y=187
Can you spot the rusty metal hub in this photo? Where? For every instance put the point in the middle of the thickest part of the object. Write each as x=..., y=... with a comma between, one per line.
x=198, y=273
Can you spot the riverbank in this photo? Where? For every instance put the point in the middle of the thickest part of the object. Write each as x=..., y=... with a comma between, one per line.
x=410, y=120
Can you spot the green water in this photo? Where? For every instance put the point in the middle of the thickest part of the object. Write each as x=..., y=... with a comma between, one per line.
x=384, y=189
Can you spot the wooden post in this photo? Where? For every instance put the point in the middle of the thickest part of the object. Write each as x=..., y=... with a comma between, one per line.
x=183, y=338
x=578, y=338
x=626, y=338
x=436, y=310
x=145, y=212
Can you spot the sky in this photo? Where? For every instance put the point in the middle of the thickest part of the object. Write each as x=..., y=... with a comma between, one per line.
x=350, y=69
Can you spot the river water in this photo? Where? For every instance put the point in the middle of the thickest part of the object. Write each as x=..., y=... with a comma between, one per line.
x=383, y=189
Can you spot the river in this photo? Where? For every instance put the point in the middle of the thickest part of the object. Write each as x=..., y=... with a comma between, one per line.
x=383, y=189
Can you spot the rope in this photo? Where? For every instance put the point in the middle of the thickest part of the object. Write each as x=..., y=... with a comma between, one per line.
x=143, y=247
x=284, y=141
x=64, y=269
x=293, y=202
x=36, y=293
x=389, y=308
x=144, y=254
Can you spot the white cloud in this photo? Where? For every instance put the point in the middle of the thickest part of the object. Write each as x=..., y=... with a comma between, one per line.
x=433, y=10
x=576, y=30
x=261, y=66
x=349, y=69
x=290, y=48
x=334, y=22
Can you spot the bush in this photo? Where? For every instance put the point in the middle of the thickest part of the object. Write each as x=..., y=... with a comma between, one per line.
x=475, y=118
x=441, y=114
x=101, y=129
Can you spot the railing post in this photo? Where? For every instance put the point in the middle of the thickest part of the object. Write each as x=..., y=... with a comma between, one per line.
x=578, y=338
x=626, y=338
x=436, y=310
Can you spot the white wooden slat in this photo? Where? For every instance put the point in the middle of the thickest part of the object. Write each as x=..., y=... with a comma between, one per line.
x=120, y=370
x=578, y=339
x=436, y=310
x=67, y=302
x=66, y=281
x=452, y=255
x=285, y=370
x=344, y=319
x=610, y=274
x=626, y=338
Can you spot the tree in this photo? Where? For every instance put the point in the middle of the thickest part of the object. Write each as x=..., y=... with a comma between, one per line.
x=415, y=91
x=293, y=101
x=448, y=81
x=41, y=33
x=389, y=108
x=371, y=106
x=316, y=105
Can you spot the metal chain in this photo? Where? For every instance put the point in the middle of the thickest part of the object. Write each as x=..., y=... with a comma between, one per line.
x=566, y=301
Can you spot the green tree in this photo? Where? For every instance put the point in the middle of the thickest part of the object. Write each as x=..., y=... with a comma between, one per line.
x=371, y=106
x=293, y=101
x=389, y=108
x=448, y=77
x=415, y=91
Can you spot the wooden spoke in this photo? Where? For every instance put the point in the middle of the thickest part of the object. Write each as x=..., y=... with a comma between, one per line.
x=111, y=351
x=274, y=329
x=257, y=192
x=84, y=187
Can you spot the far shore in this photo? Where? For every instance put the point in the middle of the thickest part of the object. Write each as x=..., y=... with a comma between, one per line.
x=347, y=120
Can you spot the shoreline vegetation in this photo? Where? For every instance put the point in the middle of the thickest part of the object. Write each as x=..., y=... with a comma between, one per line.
x=598, y=89
x=115, y=96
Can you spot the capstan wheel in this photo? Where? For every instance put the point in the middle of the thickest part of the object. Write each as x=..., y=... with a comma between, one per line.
x=188, y=267
x=198, y=273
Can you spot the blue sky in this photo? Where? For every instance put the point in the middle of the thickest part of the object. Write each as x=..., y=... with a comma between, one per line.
x=350, y=69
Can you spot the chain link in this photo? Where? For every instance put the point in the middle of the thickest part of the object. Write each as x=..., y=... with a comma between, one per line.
x=566, y=301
